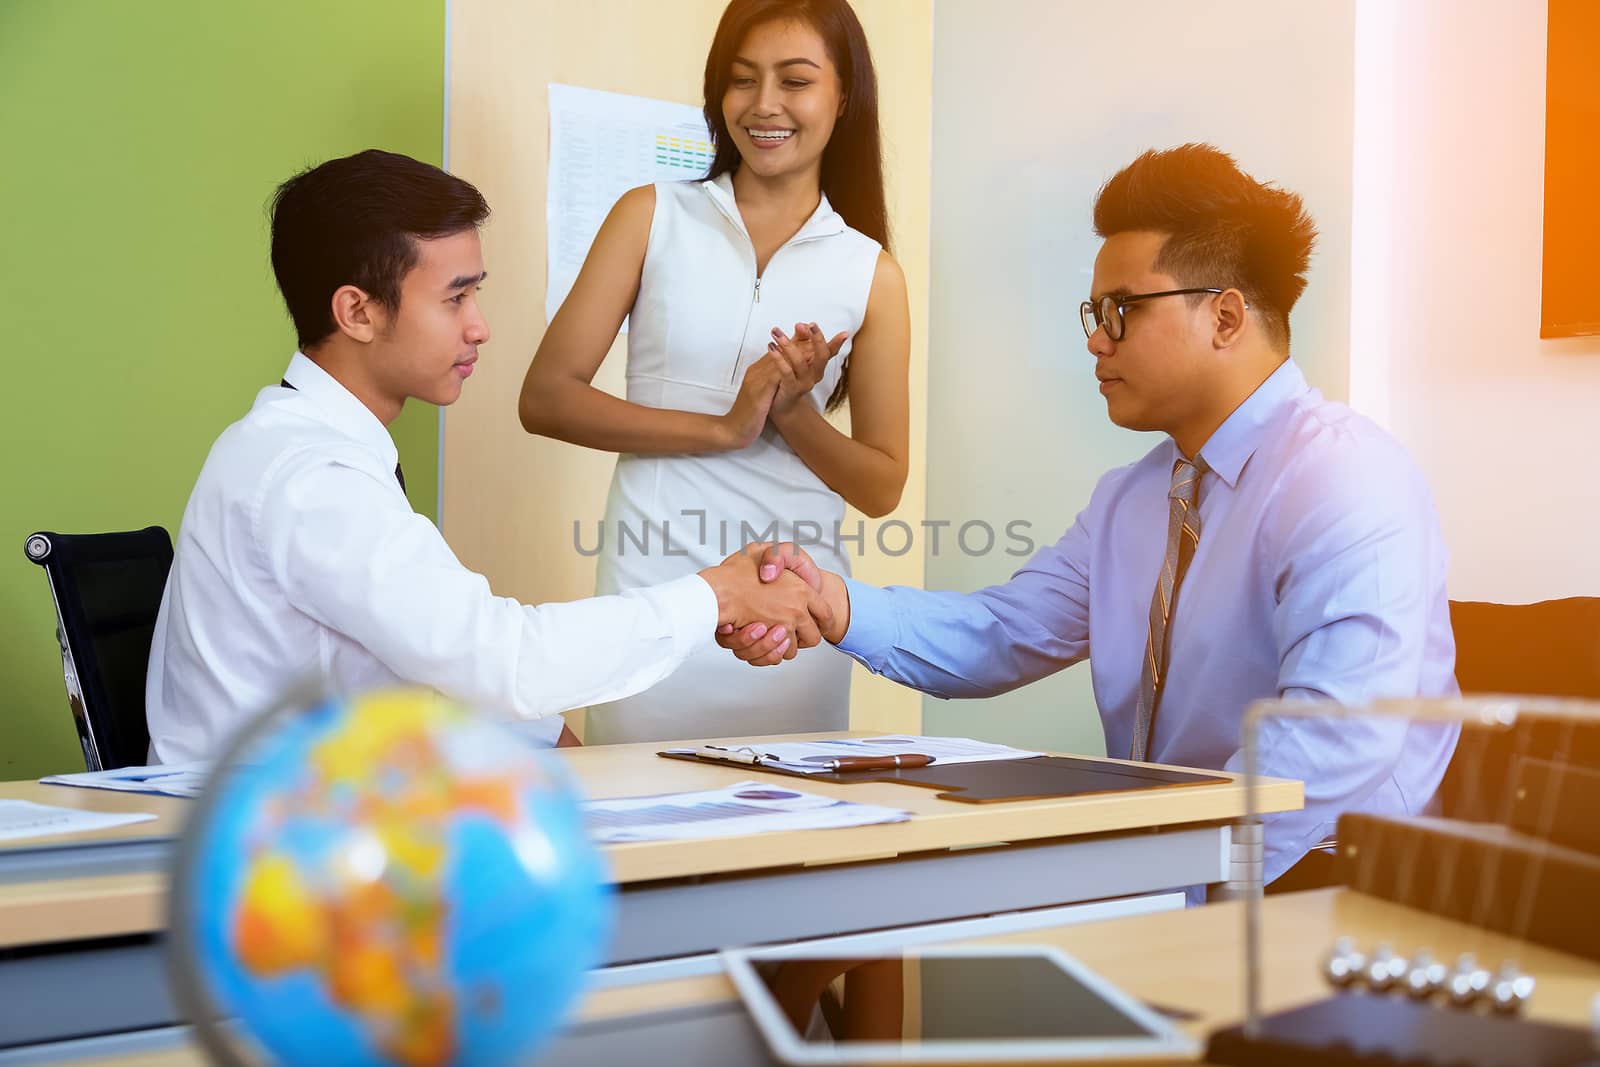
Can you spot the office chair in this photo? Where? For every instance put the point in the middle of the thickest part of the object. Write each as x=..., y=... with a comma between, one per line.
x=1546, y=649
x=1551, y=648
x=107, y=590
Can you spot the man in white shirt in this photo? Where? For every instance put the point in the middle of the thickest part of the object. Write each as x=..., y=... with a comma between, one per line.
x=299, y=555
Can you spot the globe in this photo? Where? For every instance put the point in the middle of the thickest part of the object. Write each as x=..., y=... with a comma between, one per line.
x=385, y=880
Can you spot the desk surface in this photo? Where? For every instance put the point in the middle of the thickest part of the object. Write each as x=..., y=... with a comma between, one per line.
x=1189, y=960
x=169, y=813
x=34, y=911
x=623, y=770
x=1193, y=959
x=634, y=770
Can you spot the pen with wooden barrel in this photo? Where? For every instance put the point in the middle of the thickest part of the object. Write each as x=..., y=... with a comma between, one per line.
x=904, y=761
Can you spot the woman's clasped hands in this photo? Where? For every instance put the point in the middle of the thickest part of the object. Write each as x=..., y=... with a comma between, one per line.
x=774, y=384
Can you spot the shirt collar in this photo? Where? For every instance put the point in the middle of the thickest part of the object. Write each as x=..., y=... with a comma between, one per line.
x=824, y=222
x=339, y=407
x=1235, y=441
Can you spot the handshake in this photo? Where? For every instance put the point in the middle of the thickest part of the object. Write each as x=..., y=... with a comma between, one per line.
x=773, y=600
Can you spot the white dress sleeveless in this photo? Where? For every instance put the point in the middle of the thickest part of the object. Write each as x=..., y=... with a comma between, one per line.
x=701, y=319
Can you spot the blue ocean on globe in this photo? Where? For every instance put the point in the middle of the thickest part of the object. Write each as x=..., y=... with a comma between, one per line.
x=391, y=880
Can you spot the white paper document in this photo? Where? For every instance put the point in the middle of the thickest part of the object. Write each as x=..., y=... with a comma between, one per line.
x=23, y=818
x=817, y=757
x=171, y=779
x=745, y=808
x=601, y=145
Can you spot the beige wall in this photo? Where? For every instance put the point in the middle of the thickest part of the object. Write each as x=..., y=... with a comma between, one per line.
x=1027, y=126
x=509, y=500
x=1449, y=155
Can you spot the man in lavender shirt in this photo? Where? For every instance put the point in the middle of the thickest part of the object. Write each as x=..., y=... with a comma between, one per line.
x=1314, y=567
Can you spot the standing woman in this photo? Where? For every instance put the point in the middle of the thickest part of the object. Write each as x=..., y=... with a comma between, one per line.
x=757, y=300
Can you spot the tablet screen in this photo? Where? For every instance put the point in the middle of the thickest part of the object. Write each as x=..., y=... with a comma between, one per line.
x=916, y=997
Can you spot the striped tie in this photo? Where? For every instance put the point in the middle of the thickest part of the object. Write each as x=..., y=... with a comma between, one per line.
x=1183, y=537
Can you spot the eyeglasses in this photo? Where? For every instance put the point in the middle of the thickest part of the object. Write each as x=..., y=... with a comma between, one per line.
x=1107, y=311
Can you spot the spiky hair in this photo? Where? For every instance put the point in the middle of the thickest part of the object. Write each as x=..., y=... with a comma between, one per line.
x=1223, y=227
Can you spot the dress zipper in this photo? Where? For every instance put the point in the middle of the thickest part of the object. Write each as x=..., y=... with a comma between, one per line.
x=738, y=225
x=733, y=377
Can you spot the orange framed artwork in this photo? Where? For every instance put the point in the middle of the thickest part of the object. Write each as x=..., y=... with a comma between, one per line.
x=1570, y=296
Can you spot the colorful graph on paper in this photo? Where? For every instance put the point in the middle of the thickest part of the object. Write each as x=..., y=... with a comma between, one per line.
x=601, y=145
x=686, y=153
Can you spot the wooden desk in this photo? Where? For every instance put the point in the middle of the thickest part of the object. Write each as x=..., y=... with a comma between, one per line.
x=951, y=861
x=1188, y=960
x=621, y=770
x=680, y=897
x=955, y=869
x=134, y=848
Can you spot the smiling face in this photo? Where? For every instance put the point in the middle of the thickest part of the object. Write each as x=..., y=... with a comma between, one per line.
x=426, y=348
x=783, y=98
x=1163, y=373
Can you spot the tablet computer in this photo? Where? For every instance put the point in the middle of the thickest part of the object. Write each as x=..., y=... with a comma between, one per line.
x=943, y=1004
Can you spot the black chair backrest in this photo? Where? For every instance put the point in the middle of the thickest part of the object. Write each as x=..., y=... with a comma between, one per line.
x=1551, y=648
x=107, y=589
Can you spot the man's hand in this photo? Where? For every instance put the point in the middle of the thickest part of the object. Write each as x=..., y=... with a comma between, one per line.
x=776, y=617
x=774, y=561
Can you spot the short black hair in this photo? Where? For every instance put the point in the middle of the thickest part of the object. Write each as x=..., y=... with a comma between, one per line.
x=1224, y=228
x=356, y=221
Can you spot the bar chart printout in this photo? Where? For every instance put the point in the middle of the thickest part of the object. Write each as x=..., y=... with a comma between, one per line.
x=601, y=145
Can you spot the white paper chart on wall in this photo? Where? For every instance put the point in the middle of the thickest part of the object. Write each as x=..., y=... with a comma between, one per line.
x=601, y=145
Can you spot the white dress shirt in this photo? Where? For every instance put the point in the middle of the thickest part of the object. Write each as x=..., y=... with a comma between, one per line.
x=300, y=557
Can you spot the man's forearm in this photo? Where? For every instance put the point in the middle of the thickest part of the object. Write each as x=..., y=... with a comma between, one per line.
x=952, y=644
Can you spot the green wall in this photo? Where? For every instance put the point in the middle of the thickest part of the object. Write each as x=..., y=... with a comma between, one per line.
x=140, y=143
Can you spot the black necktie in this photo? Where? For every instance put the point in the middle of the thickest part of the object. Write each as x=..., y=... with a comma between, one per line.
x=399, y=475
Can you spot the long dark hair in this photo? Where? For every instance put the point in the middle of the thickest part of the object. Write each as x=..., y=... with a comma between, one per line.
x=852, y=164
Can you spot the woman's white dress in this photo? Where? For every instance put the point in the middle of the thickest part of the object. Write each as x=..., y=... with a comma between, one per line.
x=701, y=318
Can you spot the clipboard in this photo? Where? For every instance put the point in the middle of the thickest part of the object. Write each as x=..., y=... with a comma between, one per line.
x=991, y=781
